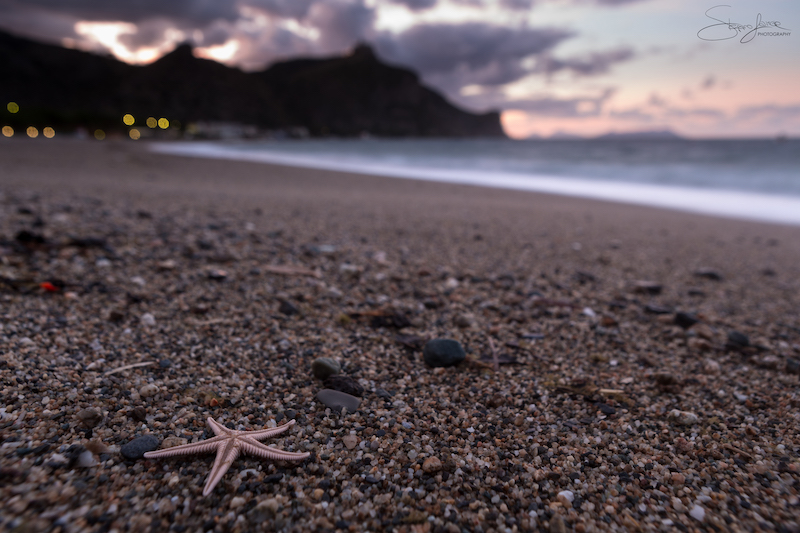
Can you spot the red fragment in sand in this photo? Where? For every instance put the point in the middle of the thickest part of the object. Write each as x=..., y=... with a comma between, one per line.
x=49, y=287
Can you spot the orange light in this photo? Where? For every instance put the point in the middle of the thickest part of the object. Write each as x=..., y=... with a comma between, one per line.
x=135, y=134
x=8, y=131
x=49, y=132
x=32, y=132
x=99, y=135
x=151, y=122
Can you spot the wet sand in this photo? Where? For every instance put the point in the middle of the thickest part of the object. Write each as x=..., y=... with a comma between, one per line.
x=607, y=411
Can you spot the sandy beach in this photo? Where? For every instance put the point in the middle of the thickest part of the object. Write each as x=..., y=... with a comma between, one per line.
x=627, y=368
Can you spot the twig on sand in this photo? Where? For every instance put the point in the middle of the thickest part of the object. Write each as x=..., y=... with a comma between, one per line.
x=128, y=367
x=737, y=450
x=289, y=270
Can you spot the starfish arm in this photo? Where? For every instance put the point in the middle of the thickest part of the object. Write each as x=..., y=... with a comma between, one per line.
x=261, y=434
x=253, y=447
x=216, y=427
x=186, y=449
x=226, y=454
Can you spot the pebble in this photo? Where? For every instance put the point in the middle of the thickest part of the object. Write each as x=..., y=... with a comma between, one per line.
x=443, y=353
x=151, y=389
x=288, y=308
x=337, y=400
x=431, y=464
x=708, y=273
x=792, y=366
x=698, y=513
x=86, y=459
x=566, y=496
x=683, y=418
x=237, y=502
x=89, y=417
x=139, y=414
x=344, y=384
x=737, y=340
x=350, y=441
x=148, y=320
x=136, y=448
x=325, y=367
x=647, y=287
x=686, y=320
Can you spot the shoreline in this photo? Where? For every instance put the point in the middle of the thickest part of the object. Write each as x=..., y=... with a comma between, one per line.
x=734, y=204
x=626, y=366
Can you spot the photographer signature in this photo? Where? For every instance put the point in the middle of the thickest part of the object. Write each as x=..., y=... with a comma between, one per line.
x=732, y=29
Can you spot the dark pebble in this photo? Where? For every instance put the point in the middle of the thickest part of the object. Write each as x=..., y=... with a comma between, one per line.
x=383, y=393
x=606, y=409
x=686, y=320
x=372, y=479
x=657, y=309
x=708, y=273
x=136, y=448
x=443, y=353
x=344, y=384
x=288, y=308
x=139, y=414
x=325, y=367
x=336, y=400
x=737, y=340
x=165, y=363
x=792, y=366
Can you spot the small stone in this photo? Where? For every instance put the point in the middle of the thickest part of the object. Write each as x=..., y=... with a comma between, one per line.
x=148, y=390
x=465, y=320
x=443, y=353
x=148, y=320
x=89, y=417
x=431, y=464
x=686, y=320
x=647, y=287
x=704, y=331
x=770, y=362
x=86, y=459
x=139, y=414
x=711, y=367
x=677, y=478
x=237, y=502
x=325, y=367
x=288, y=308
x=165, y=363
x=606, y=409
x=557, y=525
x=708, y=273
x=792, y=366
x=683, y=418
x=337, y=400
x=217, y=274
x=350, y=441
x=657, y=309
x=344, y=384
x=698, y=513
x=136, y=448
x=115, y=315
x=737, y=340
x=566, y=497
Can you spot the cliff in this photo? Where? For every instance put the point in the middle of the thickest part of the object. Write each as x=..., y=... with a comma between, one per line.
x=341, y=96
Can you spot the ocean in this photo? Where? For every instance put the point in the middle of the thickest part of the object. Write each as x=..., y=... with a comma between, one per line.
x=746, y=179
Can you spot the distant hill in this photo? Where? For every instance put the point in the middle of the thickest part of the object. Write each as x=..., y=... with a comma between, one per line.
x=342, y=96
x=633, y=135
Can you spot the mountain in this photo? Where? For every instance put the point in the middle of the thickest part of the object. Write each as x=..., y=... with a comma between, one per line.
x=342, y=96
x=660, y=135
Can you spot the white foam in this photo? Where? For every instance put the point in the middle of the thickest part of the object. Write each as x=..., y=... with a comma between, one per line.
x=726, y=203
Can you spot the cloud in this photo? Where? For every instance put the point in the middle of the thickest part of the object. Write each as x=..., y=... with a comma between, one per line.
x=416, y=5
x=454, y=55
x=179, y=11
x=340, y=23
x=587, y=65
x=295, y=9
x=709, y=82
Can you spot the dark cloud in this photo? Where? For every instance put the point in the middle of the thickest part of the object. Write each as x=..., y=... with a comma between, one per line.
x=341, y=24
x=469, y=53
x=416, y=5
x=295, y=9
x=551, y=106
x=708, y=83
x=588, y=65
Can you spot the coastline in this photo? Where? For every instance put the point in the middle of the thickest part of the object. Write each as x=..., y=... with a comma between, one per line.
x=551, y=283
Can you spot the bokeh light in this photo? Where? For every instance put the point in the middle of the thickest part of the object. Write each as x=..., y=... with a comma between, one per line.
x=12, y=107
x=32, y=132
x=135, y=134
x=151, y=122
x=163, y=123
x=49, y=132
x=176, y=124
x=99, y=135
x=8, y=131
x=128, y=119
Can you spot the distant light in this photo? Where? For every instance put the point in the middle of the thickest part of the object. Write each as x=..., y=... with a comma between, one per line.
x=163, y=123
x=12, y=107
x=152, y=122
x=49, y=132
x=32, y=132
x=8, y=131
x=135, y=134
x=99, y=135
x=128, y=119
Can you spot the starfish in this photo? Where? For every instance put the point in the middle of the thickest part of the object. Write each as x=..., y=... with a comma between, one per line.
x=228, y=444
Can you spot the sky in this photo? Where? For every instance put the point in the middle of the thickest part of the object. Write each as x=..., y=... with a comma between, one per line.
x=551, y=67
